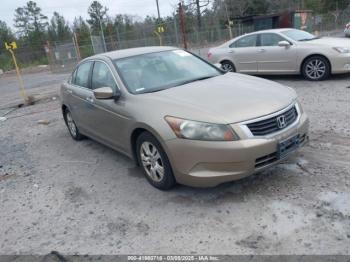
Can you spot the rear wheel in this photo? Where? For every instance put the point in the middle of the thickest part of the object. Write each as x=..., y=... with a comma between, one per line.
x=72, y=127
x=228, y=66
x=154, y=162
x=316, y=68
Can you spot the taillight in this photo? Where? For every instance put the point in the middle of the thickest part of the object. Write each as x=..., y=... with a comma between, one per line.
x=209, y=54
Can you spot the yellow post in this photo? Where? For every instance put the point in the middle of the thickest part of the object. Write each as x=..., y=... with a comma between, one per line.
x=160, y=38
x=20, y=80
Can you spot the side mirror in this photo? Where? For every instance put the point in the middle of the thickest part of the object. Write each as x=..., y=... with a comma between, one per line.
x=283, y=44
x=104, y=93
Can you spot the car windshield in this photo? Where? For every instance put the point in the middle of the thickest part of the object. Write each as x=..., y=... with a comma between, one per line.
x=162, y=70
x=299, y=35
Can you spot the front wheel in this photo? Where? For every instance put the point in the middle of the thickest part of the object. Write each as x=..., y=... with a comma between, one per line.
x=154, y=162
x=316, y=68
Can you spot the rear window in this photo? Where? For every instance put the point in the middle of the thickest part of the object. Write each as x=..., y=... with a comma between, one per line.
x=246, y=41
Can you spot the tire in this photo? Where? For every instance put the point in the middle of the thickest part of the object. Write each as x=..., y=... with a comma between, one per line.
x=316, y=68
x=72, y=127
x=154, y=162
x=228, y=66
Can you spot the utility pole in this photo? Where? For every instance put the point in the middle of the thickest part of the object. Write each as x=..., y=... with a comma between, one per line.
x=228, y=20
x=76, y=45
x=182, y=24
x=160, y=28
x=158, y=11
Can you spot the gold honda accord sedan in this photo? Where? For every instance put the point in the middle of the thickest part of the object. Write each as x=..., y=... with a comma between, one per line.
x=182, y=119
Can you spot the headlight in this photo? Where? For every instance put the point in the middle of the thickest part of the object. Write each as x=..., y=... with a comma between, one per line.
x=342, y=50
x=195, y=130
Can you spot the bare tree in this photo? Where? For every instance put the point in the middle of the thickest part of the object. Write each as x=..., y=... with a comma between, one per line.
x=197, y=6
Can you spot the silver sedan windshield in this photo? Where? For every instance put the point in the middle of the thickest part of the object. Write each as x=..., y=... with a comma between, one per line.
x=299, y=35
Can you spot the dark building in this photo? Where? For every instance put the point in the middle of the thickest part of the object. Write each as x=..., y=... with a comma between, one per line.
x=295, y=19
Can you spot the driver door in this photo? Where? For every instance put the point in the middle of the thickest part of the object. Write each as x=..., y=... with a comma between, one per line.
x=108, y=116
x=273, y=58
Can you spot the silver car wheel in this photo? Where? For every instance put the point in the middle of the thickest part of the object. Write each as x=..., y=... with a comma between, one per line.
x=152, y=161
x=315, y=69
x=227, y=67
x=71, y=125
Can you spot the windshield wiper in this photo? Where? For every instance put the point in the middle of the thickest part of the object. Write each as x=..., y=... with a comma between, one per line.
x=309, y=39
x=151, y=91
x=178, y=84
x=194, y=80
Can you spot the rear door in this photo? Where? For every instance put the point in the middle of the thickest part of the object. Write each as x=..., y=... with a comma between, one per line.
x=243, y=52
x=273, y=58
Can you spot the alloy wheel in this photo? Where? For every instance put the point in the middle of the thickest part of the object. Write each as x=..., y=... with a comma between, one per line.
x=227, y=67
x=315, y=69
x=71, y=125
x=152, y=161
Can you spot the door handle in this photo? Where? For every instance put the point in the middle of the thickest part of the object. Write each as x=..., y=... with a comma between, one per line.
x=90, y=99
x=262, y=50
x=231, y=51
x=69, y=91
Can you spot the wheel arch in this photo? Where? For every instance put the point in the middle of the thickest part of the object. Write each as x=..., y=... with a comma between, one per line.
x=136, y=132
x=63, y=108
x=228, y=60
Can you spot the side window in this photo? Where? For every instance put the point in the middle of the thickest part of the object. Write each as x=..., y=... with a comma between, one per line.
x=102, y=76
x=82, y=75
x=72, y=77
x=270, y=39
x=247, y=41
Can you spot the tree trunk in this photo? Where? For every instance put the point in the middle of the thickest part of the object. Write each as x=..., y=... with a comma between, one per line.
x=199, y=20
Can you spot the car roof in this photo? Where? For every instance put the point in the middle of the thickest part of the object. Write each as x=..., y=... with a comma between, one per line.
x=277, y=30
x=132, y=52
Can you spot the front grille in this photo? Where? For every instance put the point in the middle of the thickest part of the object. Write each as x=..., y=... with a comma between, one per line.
x=270, y=125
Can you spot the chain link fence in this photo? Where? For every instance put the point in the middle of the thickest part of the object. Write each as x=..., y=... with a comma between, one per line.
x=63, y=56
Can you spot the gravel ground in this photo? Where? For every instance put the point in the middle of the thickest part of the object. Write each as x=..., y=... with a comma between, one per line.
x=82, y=197
x=38, y=84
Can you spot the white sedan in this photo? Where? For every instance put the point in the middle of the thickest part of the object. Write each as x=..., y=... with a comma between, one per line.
x=284, y=51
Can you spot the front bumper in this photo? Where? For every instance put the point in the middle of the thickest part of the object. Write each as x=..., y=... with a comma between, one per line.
x=341, y=64
x=206, y=164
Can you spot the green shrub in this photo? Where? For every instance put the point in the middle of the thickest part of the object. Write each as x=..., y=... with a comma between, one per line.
x=6, y=62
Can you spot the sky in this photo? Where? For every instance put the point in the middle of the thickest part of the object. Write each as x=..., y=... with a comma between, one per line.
x=72, y=8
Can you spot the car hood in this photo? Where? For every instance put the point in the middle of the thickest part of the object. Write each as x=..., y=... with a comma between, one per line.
x=331, y=41
x=228, y=98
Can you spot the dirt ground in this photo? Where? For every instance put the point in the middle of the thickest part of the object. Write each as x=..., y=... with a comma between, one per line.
x=82, y=197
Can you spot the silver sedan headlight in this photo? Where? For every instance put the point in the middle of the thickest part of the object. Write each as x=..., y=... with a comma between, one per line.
x=342, y=50
x=195, y=130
